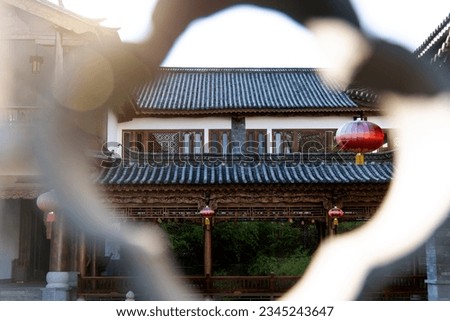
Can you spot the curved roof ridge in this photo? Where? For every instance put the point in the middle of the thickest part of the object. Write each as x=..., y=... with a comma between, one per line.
x=434, y=37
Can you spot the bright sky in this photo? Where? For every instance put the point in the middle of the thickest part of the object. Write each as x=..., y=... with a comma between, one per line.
x=253, y=37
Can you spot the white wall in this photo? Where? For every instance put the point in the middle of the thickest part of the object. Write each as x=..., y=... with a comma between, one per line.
x=305, y=122
x=9, y=235
x=112, y=128
x=253, y=122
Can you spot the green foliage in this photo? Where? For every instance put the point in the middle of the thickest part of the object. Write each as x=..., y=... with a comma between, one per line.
x=186, y=241
x=295, y=264
x=234, y=241
x=344, y=227
x=283, y=239
x=278, y=239
x=248, y=248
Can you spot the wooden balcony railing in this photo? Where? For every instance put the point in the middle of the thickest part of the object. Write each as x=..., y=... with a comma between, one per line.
x=240, y=285
x=109, y=287
x=398, y=288
x=115, y=287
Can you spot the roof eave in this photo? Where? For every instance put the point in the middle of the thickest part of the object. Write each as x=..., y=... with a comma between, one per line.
x=62, y=17
x=252, y=111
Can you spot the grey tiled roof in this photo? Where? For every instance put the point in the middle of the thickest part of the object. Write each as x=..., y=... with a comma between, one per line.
x=231, y=89
x=242, y=173
x=362, y=95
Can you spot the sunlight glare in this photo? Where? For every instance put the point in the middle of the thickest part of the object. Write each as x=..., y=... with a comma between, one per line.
x=132, y=17
x=246, y=36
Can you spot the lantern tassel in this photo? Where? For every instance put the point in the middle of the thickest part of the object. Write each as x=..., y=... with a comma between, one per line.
x=335, y=222
x=359, y=159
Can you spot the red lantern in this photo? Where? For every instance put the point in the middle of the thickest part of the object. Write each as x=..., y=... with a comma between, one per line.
x=207, y=212
x=359, y=136
x=335, y=213
x=47, y=202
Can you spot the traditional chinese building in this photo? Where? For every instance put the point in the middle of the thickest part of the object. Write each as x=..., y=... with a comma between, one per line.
x=254, y=143
x=37, y=40
x=249, y=143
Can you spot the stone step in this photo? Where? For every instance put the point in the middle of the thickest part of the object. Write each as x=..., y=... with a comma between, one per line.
x=18, y=292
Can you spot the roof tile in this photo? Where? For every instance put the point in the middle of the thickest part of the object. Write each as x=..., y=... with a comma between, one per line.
x=197, y=89
x=235, y=173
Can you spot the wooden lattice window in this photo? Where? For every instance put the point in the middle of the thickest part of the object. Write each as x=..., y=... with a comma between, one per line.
x=256, y=141
x=287, y=141
x=220, y=141
x=162, y=141
x=317, y=140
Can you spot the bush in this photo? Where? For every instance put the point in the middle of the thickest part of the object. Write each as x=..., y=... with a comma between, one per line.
x=235, y=242
x=294, y=264
x=258, y=248
x=344, y=227
x=186, y=242
x=248, y=248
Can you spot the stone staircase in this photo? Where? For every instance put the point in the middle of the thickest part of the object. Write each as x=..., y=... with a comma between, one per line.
x=21, y=291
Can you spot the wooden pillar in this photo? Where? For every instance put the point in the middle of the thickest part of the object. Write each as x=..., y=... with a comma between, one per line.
x=207, y=217
x=81, y=260
x=59, y=254
x=208, y=246
x=79, y=254
x=94, y=258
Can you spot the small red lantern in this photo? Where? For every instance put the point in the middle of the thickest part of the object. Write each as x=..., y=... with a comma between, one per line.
x=207, y=213
x=47, y=202
x=359, y=136
x=335, y=213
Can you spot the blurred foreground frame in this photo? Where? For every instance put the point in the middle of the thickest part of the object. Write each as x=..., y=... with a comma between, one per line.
x=412, y=92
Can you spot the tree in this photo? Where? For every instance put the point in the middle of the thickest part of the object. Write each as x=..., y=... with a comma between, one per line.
x=248, y=248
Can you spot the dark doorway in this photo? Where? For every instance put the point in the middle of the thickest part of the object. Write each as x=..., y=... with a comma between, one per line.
x=34, y=247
